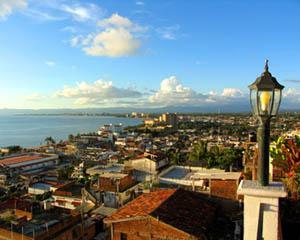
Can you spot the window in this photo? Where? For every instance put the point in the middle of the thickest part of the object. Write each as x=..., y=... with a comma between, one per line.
x=123, y=236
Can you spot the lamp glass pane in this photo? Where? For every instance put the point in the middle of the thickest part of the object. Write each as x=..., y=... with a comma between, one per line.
x=277, y=100
x=253, y=101
x=265, y=102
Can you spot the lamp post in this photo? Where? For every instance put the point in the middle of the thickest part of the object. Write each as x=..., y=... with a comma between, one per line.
x=265, y=98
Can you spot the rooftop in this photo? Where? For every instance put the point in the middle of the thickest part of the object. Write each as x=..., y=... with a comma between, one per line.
x=113, y=175
x=195, y=173
x=20, y=159
x=70, y=190
x=142, y=205
x=188, y=211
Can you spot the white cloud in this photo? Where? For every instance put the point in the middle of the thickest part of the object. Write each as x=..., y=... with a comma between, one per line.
x=116, y=39
x=115, y=20
x=70, y=29
x=232, y=92
x=291, y=95
x=34, y=97
x=94, y=93
x=113, y=42
x=7, y=7
x=58, y=10
x=82, y=12
x=43, y=15
x=80, y=40
x=168, y=33
x=50, y=63
x=172, y=92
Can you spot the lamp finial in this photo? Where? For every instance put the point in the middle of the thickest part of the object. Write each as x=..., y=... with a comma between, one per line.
x=267, y=65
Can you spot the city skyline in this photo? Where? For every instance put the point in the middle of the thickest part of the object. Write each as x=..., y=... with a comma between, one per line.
x=144, y=54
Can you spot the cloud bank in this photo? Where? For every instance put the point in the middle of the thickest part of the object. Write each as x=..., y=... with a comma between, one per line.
x=170, y=93
x=99, y=92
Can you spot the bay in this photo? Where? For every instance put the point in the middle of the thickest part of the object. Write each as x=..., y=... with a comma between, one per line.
x=31, y=130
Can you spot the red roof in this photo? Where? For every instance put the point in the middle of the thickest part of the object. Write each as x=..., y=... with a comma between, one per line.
x=20, y=159
x=187, y=211
x=142, y=205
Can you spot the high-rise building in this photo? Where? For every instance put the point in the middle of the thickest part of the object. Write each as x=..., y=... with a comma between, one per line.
x=169, y=119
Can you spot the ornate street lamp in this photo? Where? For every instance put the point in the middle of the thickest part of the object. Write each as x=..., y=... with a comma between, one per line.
x=265, y=98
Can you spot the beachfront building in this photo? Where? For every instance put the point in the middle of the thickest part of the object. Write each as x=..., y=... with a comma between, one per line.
x=116, y=129
x=169, y=119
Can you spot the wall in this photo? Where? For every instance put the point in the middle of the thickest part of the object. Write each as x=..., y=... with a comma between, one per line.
x=108, y=184
x=20, y=213
x=5, y=234
x=63, y=231
x=112, y=199
x=270, y=221
x=148, y=229
x=66, y=202
x=144, y=164
x=224, y=188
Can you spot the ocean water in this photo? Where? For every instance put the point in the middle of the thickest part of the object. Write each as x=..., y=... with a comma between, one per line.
x=31, y=130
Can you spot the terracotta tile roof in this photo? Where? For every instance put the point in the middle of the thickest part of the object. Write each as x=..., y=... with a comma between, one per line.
x=20, y=159
x=142, y=205
x=187, y=211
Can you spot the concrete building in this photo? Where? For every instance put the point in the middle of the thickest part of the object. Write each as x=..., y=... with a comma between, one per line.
x=28, y=163
x=116, y=189
x=116, y=129
x=71, y=196
x=146, y=166
x=214, y=182
x=101, y=169
x=30, y=223
x=169, y=119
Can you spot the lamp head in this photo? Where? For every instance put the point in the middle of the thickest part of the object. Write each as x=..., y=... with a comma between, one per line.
x=265, y=94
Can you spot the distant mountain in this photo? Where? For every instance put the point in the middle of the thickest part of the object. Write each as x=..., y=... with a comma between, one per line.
x=236, y=108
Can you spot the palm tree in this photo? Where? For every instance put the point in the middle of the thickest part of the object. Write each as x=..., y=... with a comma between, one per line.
x=199, y=152
x=49, y=140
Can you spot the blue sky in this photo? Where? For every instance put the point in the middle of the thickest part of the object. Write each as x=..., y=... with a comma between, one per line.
x=74, y=54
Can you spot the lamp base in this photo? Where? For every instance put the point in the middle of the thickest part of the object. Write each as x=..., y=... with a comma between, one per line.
x=261, y=209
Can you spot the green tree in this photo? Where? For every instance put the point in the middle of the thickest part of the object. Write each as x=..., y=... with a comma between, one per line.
x=211, y=159
x=199, y=152
x=49, y=140
x=175, y=158
x=71, y=138
x=65, y=173
x=14, y=149
x=230, y=157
